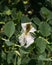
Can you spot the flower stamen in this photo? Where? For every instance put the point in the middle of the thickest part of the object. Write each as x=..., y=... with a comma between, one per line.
x=28, y=27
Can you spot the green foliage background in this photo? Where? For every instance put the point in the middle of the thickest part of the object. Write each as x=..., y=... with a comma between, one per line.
x=12, y=14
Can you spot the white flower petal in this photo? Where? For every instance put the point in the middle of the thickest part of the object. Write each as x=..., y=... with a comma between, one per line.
x=29, y=40
x=21, y=40
x=32, y=29
x=26, y=39
x=23, y=26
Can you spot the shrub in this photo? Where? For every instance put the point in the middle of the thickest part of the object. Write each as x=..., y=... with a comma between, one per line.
x=12, y=14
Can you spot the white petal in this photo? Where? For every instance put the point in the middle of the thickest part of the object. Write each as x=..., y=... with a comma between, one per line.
x=21, y=40
x=32, y=29
x=23, y=26
x=26, y=40
x=29, y=40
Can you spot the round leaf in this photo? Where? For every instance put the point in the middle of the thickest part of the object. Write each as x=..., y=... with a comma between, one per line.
x=8, y=43
x=36, y=21
x=9, y=29
x=44, y=12
x=41, y=44
x=44, y=29
x=25, y=19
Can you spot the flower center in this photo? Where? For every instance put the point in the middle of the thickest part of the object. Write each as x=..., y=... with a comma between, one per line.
x=28, y=27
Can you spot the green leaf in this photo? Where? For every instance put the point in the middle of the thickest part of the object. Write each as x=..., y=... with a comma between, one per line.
x=8, y=43
x=25, y=19
x=19, y=61
x=14, y=61
x=49, y=17
x=10, y=57
x=49, y=63
x=19, y=15
x=50, y=47
x=9, y=29
x=36, y=21
x=39, y=62
x=41, y=44
x=43, y=58
x=44, y=29
x=50, y=22
x=14, y=14
x=3, y=55
x=7, y=11
x=25, y=60
x=44, y=12
x=23, y=51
